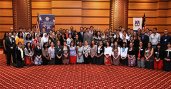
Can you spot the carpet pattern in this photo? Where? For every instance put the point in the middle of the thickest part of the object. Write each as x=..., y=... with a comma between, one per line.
x=82, y=76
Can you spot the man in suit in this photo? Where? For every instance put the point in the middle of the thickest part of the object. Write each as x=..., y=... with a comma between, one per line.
x=81, y=34
x=144, y=38
x=88, y=36
x=10, y=46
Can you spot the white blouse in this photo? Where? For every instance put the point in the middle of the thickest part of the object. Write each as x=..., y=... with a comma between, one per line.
x=124, y=52
x=108, y=50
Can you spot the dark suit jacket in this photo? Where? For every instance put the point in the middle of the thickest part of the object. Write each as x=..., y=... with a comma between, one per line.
x=10, y=44
x=80, y=36
x=58, y=50
x=145, y=40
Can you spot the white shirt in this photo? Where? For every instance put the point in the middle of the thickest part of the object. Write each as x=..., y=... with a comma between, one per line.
x=155, y=38
x=69, y=41
x=108, y=50
x=22, y=53
x=124, y=52
x=51, y=51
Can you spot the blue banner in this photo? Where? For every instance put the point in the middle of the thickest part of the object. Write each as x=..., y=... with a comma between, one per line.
x=46, y=21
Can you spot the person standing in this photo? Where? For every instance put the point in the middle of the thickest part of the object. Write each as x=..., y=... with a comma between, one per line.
x=165, y=39
x=116, y=53
x=51, y=51
x=131, y=55
x=149, y=57
x=10, y=47
x=28, y=51
x=38, y=55
x=158, y=57
x=45, y=54
x=167, y=58
x=100, y=54
x=93, y=52
x=19, y=55
x=73, y=55
x=66, y=54
x=140, y=57
x=80, y=58
x=154, y=38
x=4, y=46
x=124, y=54
x=86, y=52
x=107, y=54
x=58, y=53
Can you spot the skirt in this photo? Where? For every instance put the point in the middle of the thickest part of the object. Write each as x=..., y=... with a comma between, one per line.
x=28, y=60
x=108, y=60
x=58, y=61
x=166, y=65
x=131, y=62
x=73, y=59
x=116, y=61
x=100, y=60
x=65, y=60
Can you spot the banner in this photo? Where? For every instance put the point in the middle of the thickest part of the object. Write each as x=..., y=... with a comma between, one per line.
x=47, y=21
x=137, y=23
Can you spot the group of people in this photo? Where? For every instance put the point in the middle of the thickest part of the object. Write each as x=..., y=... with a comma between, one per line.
x=143, y=48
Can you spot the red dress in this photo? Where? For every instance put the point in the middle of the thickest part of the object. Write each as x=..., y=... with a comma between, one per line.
x=108, y=60
x=28, y=60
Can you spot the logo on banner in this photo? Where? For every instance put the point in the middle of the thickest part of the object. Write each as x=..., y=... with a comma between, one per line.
x=137, y=23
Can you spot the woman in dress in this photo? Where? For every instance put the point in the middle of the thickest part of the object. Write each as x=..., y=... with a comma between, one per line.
x=80, y=58
x=66, y=52
x=124, y=54
x=45, y=55
x=38, y=55
x=158, y=57
x=107, y=54
x=93, y=52
x=131, y=55
x=28, y=54
x=167, y=58
x=19, y=56
x=116, y=53
x=100, y=54
x=149, y=58
x=86, y=52
x=73, y=55
x=140, y=57
x=51, y=51
x=58, y=53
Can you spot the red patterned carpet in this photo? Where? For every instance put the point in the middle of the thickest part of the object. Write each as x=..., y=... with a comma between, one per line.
x=82, y=76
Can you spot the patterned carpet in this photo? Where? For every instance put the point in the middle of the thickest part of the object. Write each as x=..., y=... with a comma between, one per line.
x=82, y=76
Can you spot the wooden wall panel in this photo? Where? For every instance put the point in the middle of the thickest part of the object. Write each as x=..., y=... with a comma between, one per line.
x=157, y=13
x=95, y=12
x=96, y=5
x=5, y=28
x=6, y=4
x=147, y=6
x=6, y=12
x=140, y=13
x=67, y=12
x=95, y=21
x=41, y=4
x=43, y=11
x=67, y=4
x=6, y=20
x=68, y=20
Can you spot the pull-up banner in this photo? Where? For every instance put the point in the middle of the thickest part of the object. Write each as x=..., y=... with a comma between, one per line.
x=47, y=21
x=137, y=23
